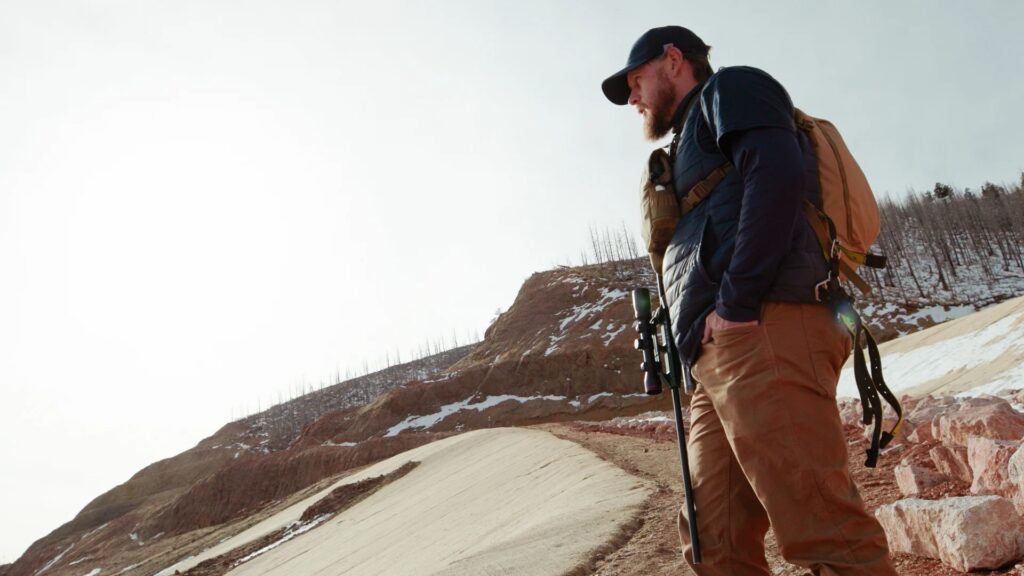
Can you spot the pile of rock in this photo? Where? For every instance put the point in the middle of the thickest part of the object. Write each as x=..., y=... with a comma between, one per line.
x=962, y=478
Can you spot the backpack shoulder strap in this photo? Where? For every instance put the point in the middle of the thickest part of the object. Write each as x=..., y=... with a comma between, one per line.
x=702, y=189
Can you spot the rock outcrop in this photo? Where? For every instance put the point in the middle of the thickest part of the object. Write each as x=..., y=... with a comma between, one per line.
x=951, y=461
x=988, y=417
x=966, y=533
x=913, y=480
x=989, y=460
x=1015, y=473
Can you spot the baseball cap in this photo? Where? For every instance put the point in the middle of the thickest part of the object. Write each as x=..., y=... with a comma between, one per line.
x=649, y=46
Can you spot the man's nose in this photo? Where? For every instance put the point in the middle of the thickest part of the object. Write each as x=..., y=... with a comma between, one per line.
x=634, y=98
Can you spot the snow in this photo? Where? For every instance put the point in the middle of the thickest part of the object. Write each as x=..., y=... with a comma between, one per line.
x=597, y=396
x=930, y=361
x=94, y=530
x=54, y=561
x=288, y=535
x=94, y=572
x=611, y=334
x=1010, y=379
x=429, y=420
x=343, y=444
x=650, y=417
x=939, y=314
x=582, y=311
x=553, y=344
x=869, y=310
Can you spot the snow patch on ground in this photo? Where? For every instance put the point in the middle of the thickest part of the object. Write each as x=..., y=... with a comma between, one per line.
x=94, y=530
x=341, y=444
x=611, y=334
x=294, y=529
x=583, y=313
x=95, y=572
x=649, y=417
x=429, y=420
x=939, y=314
x=54, y=561
x=925, y=363
x=553, y=344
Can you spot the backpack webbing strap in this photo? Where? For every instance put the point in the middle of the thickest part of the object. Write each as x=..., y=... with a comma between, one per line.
x=824, y=230
x=871, y=385
x=702, y=189
x=869, y=260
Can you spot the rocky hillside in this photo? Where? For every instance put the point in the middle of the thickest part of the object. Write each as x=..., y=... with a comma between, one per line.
x=562, y=352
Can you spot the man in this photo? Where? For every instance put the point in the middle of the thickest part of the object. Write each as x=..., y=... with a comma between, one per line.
x=766, y=441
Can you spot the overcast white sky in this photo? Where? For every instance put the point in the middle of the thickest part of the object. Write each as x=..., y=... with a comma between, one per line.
x=204, y=203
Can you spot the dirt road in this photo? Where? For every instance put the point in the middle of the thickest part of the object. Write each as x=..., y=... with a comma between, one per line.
x=654, y=548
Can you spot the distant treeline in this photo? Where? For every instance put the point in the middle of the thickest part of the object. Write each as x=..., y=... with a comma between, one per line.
x=950, y=244
x=944, y=246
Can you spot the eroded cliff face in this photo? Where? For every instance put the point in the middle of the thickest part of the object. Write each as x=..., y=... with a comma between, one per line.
x=562, y=351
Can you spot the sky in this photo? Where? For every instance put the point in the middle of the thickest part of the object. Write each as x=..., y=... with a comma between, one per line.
x=205, y=205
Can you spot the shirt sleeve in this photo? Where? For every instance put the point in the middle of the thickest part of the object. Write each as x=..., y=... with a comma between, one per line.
x=770, y=162
x=740, y=98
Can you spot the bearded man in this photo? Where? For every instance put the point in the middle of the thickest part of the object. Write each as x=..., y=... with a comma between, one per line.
x=766, y=442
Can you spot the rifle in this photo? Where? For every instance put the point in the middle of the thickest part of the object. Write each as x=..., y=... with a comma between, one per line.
x=662, y=366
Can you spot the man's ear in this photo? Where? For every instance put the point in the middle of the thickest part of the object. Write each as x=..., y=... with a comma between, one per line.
x=678, y=65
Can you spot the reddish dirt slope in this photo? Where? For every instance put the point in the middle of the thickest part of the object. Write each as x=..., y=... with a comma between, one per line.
x=562, y=352
x=649, y=451
x=565, y=341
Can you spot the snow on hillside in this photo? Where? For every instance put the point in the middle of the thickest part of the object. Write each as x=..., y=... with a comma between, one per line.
x=981, y=353
x=277, y=427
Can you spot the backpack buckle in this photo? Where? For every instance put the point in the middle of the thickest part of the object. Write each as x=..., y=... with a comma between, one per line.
x=821, y=289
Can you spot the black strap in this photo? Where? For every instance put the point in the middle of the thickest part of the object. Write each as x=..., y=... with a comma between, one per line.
x=871, y=385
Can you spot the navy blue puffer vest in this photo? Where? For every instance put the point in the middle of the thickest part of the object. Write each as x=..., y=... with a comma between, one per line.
x=703, y=243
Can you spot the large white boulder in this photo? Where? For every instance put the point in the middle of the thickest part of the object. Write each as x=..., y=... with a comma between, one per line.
x=966, y=533
x=989, y=417
x=989, y=460
x=912, y=480
x=952, y=461
x=1015, y=474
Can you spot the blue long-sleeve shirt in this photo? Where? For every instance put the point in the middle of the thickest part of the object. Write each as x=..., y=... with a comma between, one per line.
x=770, y=162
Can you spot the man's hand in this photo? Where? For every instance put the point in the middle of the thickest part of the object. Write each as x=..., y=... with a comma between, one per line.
x=716, y=322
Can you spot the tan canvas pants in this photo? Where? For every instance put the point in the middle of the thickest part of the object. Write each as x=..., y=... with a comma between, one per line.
x=766, y=447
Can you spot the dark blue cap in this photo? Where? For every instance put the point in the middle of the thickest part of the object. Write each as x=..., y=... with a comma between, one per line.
x=648, y=47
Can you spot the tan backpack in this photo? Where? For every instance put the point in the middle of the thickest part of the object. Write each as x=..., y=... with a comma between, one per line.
x=848, y=222
x=846, y=198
